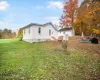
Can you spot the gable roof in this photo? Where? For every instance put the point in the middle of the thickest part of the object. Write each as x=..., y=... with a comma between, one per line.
x=66, y=29
x=49, y=23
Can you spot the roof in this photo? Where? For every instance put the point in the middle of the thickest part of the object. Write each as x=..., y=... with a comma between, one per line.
x=42, y=25
x=66, y=29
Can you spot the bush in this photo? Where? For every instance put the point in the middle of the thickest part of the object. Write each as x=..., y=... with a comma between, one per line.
x=64, y=45
x=20, y=39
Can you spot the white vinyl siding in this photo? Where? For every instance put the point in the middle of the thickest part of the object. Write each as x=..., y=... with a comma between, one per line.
x=39, y=33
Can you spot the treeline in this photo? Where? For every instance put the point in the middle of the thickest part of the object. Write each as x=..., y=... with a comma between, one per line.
x=88, y=18
x=7, y=33
x=84, y=18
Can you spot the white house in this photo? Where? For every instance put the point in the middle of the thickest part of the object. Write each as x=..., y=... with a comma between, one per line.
x=65, y=33
x=39, y=32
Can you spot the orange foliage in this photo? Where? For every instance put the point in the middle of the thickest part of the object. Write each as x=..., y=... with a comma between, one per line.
x=20, y=32
x=69, y=17
x=88, y=17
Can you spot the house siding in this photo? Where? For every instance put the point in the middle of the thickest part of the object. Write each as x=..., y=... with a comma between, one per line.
x=28, y=36
x=34, y=36
x=69, y=33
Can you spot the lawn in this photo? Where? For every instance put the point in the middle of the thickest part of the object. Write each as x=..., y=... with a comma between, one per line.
x=45, y=61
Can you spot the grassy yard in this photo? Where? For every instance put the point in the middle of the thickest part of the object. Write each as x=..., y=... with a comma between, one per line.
x=45, y=61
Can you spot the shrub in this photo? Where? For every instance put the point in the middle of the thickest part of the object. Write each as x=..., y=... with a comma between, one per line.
x=64, y=45
x=20, y=39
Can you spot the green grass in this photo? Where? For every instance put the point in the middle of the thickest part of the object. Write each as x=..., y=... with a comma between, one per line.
x=24, y=61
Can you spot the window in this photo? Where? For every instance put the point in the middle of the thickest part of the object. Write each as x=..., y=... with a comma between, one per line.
x=39, y=30
x=49, y=32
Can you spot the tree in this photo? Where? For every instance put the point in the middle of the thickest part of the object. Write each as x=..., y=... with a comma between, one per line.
x=20, y=33
x=7, y=33
x=88, y=16
x=69, y=14
x=0, y=34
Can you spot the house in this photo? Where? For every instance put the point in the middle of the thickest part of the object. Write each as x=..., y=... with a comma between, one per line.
x=65, y=32
x=39, y=32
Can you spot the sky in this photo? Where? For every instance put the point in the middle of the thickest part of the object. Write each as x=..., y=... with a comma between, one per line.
x=15, y=14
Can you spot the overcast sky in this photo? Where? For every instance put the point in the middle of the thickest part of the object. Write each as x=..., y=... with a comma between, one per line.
x=15, y=14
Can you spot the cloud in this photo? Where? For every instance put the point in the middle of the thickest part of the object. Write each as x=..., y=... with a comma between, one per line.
x=3, y=5
x=51, y=4
x=53, y=19
x=55, y=4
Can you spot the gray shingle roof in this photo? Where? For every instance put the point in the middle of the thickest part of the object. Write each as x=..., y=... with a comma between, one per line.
x=65, y=29
x=49, y=23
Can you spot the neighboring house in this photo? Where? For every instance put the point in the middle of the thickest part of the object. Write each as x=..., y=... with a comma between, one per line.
x=39, y=32
x=65, y=33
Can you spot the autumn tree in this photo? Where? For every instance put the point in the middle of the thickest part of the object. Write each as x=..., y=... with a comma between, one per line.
x=0, y=34
x=88, y=17
x=20, y=33
x=81, y=22
x=69, y=13
x=7, y=33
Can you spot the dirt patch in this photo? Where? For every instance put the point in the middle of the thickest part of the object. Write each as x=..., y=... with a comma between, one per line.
x=74, y=44
x=91, y=48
